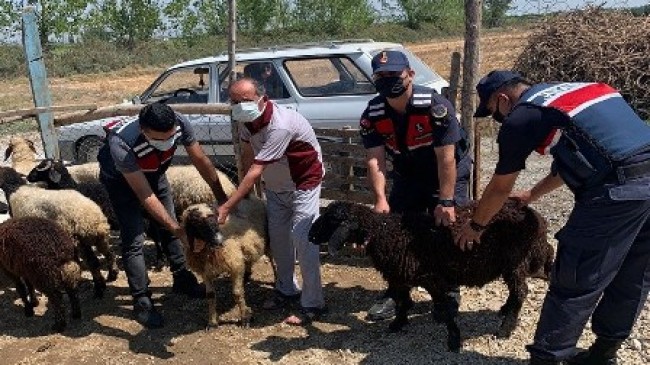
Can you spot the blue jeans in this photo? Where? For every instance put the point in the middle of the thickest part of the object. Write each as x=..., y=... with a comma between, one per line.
x=130, y=213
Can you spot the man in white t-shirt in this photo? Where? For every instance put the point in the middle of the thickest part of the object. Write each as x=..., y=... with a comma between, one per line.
x=280, y=145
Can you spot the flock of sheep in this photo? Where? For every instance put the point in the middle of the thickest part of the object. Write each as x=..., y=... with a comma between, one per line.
x=61, y=216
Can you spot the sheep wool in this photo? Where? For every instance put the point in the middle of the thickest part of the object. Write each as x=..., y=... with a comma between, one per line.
x=23, y=154
x=38, y=253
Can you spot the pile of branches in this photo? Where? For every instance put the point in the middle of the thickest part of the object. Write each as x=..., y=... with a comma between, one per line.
x=594, y=44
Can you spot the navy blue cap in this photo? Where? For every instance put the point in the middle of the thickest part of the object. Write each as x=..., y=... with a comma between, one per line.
x=391, y=61
x=488, y=85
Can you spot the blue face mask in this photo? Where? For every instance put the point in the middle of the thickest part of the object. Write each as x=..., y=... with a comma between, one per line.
x=162, y=145
x=247, y=111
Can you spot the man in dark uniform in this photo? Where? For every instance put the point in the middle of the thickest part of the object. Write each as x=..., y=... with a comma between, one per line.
x=132, y=167
x=601, y=151
x=419, y=131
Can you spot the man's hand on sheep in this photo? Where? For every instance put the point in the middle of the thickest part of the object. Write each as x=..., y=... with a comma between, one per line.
x=180, y=233
x=381, y=206
x=222, y=212
x=444, y=215
x=522, y=197
x=468, y=236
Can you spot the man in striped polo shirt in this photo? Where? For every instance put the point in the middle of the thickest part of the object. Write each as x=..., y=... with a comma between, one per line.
x=279, y=145
x=601, y=151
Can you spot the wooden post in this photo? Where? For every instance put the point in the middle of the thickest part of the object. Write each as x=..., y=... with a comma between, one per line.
x=454, y=79
x=232, y=63
x=470, y=77
x=38, y=81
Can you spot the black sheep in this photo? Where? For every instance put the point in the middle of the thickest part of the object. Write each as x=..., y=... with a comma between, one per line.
x=409, y=251
x=57, y=177
x=38, y=253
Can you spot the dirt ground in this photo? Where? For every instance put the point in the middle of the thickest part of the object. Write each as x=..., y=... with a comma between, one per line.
x=107, y=334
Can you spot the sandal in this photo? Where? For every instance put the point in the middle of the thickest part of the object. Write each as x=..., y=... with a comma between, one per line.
x=306, y=316
x=279, y=301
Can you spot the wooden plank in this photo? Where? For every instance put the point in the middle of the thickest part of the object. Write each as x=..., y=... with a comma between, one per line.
x=335, y=148
x=25, y=113
x=356, y=196
x=131, y=110
x=38, y=81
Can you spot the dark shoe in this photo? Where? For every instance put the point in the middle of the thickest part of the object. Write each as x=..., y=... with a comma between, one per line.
x=280, y=301
x=382, y=310
x=146, y=314
x=601, y=352
x=538, y=361
x=185, y=283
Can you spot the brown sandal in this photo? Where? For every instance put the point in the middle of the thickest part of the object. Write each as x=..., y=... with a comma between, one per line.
x=279, y=301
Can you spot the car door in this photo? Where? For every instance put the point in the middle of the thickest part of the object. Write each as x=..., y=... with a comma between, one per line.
x=331, y=91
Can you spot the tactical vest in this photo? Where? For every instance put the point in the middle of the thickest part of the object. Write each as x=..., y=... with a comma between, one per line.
x=422, y=117
x=149, y=159
x=603, y=130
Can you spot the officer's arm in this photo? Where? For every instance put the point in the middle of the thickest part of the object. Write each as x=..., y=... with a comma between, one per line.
x=445, y=156
x=545, y=186
x=207, y=170
x=150, y=201
x=376, y=162
x=495, y=194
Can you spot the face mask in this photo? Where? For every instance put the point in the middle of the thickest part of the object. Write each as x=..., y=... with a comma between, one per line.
x=391, y=86
x=247, y=111
x=162, y=145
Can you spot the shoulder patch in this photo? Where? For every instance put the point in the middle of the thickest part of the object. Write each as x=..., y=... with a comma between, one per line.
x=439, y=111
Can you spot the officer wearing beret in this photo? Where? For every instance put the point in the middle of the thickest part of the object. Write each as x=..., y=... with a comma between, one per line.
x=418, y=130
x=601, y=151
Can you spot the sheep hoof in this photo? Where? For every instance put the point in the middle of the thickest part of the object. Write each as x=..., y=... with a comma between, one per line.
x=245, y=322
x=211, y=326
x=112, y=276
x=29, y=311
x=58, y=326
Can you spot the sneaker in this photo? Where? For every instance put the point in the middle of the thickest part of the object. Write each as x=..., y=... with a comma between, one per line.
x=146, y=314
x=382, y=310
x=185, y=283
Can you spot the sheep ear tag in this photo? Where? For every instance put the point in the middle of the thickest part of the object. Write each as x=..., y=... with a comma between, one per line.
x=55, y=176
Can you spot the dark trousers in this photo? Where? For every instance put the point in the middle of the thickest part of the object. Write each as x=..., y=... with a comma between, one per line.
x=130, y=214
x=602, y=267
x=416, y=195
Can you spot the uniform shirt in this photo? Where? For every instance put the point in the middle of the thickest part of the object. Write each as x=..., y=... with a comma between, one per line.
x=285, y=142
x=524, y=130
x=420, y=162
x=126, y=139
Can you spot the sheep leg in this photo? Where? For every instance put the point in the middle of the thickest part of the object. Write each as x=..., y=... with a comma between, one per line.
x=211, y=296
x=55, y=303
x=22, y=289
x=518, y=289
x=402, y=297
x=104, y=247
x=454, y=342
x=33, y=298
x=74, y=302
x=93, y=265
x=245, y=312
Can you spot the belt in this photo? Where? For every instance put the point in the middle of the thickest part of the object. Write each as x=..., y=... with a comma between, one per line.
x=633, y=171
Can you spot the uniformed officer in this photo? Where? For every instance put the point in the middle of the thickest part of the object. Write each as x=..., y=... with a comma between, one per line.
x=419, y=131
x=601, y=151
x=132, y=164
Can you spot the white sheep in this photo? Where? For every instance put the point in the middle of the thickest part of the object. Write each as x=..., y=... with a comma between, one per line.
x=231, y=248
x=188, y=187
x=23, y=154
x=76, y=214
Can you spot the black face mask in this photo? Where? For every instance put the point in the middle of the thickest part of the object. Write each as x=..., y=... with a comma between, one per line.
x=497, y=115
x=390, y=87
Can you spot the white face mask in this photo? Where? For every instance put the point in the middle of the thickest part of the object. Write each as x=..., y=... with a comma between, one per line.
x=247, y=111
x=162, y=145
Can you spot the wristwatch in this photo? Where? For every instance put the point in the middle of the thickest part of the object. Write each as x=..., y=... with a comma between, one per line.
x=476, y=227
x=446, y=202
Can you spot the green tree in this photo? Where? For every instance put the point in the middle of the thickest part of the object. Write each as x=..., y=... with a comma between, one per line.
x=189, y=18
x=494, y=12
x=443, y=13
x=332, y=17
x=126, y=21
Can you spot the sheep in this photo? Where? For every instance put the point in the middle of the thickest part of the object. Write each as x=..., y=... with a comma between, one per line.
x=231, y=248
x=57, y=177
x=88, y=172
x=38, y=253
x=22, y=152
x=409, y=251
x=77, y=215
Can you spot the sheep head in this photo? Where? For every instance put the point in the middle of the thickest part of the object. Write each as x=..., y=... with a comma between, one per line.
x=201, y=227
x=49, y=171
x=335, y=226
